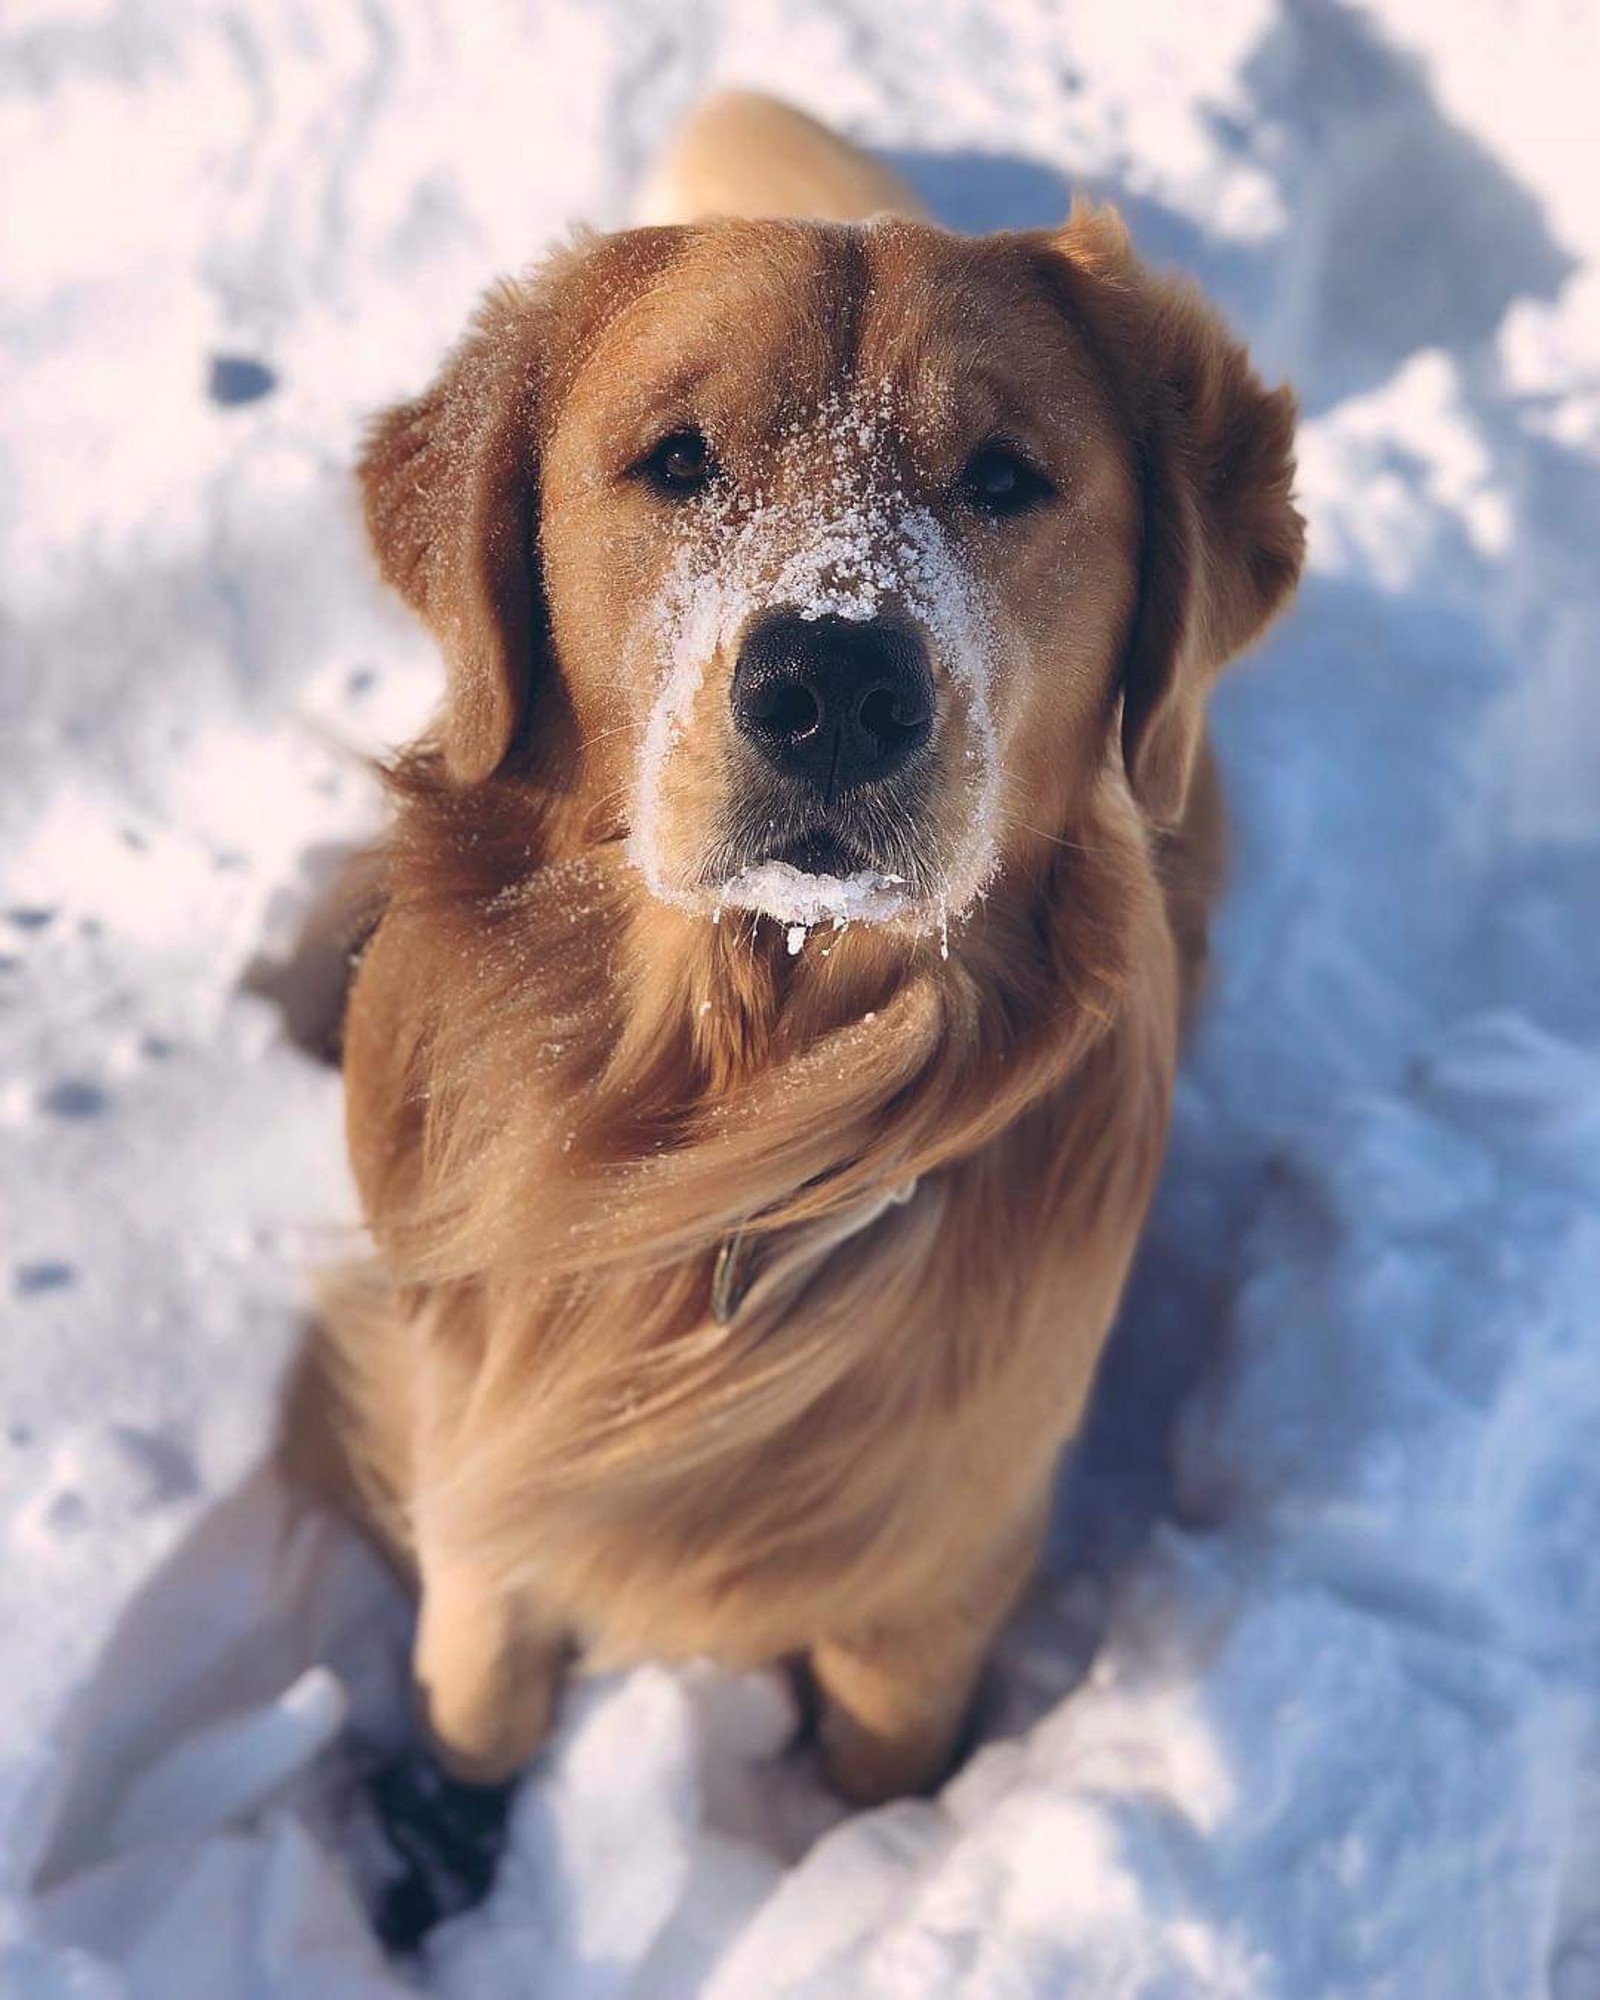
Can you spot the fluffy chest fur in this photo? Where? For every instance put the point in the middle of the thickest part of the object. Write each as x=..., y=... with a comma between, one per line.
x=553, y=1139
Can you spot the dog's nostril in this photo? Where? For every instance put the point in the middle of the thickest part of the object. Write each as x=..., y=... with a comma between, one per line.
x=788, y=708
x=883, y=714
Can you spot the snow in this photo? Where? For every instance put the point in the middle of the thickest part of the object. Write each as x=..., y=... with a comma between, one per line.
x=1308, y=1701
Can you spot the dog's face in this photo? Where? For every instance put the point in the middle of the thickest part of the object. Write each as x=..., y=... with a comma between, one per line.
x=830, y=556
x=836, y=585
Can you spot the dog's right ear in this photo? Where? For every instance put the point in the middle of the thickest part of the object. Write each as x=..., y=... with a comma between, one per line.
x=450, y=485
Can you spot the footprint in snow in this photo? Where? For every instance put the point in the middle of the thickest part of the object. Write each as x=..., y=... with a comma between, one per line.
x=75, y=1098
x=29, y=1281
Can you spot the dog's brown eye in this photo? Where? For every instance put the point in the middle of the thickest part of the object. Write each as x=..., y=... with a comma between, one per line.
x=680, y=464
x=999, y=481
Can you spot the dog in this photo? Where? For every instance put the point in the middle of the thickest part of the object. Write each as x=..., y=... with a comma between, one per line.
x=757, y=1078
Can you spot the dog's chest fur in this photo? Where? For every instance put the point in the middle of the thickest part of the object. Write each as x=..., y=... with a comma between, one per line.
x=882, y=1399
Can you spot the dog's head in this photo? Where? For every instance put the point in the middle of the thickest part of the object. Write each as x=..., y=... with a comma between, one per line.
x=836, y=567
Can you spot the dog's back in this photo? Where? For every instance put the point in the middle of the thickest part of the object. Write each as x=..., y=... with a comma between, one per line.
x=746, y=154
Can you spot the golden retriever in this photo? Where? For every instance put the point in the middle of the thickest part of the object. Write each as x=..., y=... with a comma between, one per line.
x=758, y=1076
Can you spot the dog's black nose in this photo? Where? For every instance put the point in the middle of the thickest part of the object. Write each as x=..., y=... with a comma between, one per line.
x=834, y=702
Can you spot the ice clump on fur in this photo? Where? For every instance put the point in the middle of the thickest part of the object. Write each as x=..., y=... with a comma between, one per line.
x=800, y=900
x=792, y=895
x=839, y=545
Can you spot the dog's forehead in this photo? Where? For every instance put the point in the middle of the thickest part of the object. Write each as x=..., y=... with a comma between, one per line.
x=760, y=329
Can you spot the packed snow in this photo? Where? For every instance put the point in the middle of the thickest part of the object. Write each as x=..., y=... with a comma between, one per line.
x=1307, y=1703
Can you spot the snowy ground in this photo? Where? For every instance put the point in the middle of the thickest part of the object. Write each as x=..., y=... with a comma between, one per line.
x=1336, y=1520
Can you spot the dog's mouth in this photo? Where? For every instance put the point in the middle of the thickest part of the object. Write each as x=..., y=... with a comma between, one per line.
x=823, y=853
x=820, y=875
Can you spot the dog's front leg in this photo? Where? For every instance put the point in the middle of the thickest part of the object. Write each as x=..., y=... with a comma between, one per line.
x=895, y=1697
x=487, y=1662
x=892, y=1711
x=487, y=1670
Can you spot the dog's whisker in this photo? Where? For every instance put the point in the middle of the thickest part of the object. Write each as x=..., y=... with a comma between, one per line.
x=1013, y=818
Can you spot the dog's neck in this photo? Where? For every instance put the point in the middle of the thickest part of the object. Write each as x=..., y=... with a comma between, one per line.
x=661, y=1082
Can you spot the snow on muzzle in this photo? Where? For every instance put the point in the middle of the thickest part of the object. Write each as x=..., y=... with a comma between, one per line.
x=821, y=744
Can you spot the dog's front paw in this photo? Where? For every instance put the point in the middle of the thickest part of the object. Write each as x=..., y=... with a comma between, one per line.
x=482, y=1734
x=868, y=1769
x=486, y=1681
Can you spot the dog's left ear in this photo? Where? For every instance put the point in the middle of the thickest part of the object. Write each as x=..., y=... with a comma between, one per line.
x=1222, y=541
x=450, y=486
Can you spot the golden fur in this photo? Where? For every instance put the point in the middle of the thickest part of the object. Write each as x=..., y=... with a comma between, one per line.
x=565, y=1094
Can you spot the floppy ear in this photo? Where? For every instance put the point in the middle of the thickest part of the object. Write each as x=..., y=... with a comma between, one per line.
x=1222, y=541
x=450, y=487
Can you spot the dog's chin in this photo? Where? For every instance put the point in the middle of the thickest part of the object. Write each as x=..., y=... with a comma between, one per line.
x=819, y=878
x=823, y=876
